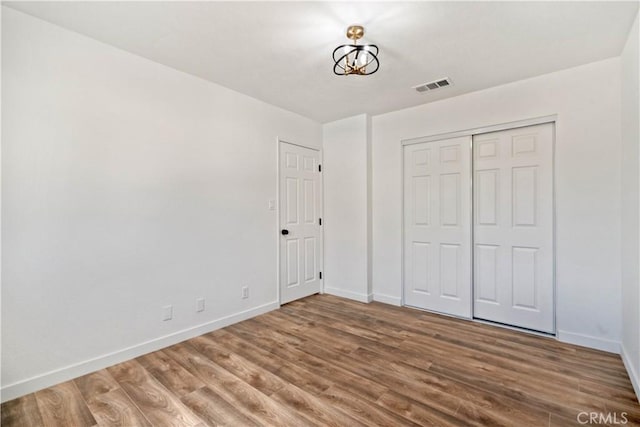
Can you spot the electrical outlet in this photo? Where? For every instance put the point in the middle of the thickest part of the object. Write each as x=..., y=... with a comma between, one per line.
x=245, y=292
x=167, y=312
x=272, y=205
x=200, y=304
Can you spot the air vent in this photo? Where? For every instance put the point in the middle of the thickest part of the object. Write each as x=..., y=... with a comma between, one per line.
x=436, y=84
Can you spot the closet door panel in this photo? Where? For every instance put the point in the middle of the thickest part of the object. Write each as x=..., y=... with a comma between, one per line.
x=513, y=227
x=437, y=226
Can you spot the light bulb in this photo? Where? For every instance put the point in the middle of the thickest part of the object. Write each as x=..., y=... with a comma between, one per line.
x=362, y=59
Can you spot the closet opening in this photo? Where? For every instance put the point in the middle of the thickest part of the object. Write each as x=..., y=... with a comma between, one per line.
x=478, y=224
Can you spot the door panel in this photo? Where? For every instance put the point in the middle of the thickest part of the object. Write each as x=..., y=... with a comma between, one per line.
x=310, y=213
x=437, y=226
x=293, y=279
x=450, y=261
x=523, y=281
x=421, y=271
x=486, y=193
x=486, y=273
x=292, y=201
x=421, y=189
x=300, y=204
x=450, y=199
x=310, y=272
x=513, y=227
x=524, y=196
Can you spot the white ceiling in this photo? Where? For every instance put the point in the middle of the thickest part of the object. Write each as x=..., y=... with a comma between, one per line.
x=280, y=52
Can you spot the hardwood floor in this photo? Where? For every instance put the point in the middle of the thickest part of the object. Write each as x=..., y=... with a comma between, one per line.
x=327, y=361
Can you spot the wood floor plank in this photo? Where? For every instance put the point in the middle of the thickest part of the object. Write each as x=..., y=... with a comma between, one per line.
x=405, y=316
x=95, y=384
x=115, y=408
x=539, y=374
x=214, y=410
x=21, y=412
x=417, y=412
x=325, y=360
x=476, y=400
x=367, y=412
x=389, y=376
x=548, y=347
x=622, y=394
x=254, y=375
x=169, y=373
x=352, y=327
x=510, y=350
x=349, y=321
x=464, y=340
x=62, y=405
x=313, y=408
x=437, y=392
x=363, y=386
x=527, y=349
x=632, y=412
x=516, y=371
x=306, y=379
x=257, y=405
x=553, y=400
x=158, y=405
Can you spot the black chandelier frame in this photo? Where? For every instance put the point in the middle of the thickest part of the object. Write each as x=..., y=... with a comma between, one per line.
x=343, y=66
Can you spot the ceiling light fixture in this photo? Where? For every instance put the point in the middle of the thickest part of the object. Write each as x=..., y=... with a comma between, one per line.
x=360, y=60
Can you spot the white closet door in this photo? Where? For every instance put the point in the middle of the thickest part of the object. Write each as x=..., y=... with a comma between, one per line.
x=437, y=222
x=513, y=227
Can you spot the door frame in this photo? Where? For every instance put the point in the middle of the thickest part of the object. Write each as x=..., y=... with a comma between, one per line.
x=553, y=118
x=279, y=142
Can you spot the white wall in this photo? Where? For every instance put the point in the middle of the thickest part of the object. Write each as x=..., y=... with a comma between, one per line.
x=126, y=186
x=346, y=207
x=587, y=102
x=630, y=164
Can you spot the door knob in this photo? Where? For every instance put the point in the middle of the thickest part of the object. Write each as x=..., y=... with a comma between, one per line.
x=285, y=232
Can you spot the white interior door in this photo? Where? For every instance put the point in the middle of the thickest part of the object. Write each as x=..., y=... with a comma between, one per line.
x=300, y=232
x=437, y=226
x=513, y=227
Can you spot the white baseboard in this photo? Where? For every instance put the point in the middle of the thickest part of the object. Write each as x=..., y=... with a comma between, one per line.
x=590, y=341
x=633, y=375
x=387, y=299
x=348, y=294
x=67, y=373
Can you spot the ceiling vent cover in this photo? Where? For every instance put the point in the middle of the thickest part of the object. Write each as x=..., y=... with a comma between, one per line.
x=436, y=84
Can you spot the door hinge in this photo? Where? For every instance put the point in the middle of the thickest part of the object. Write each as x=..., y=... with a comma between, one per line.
x=320, y=221
x=319, y=168
x=320, y=274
